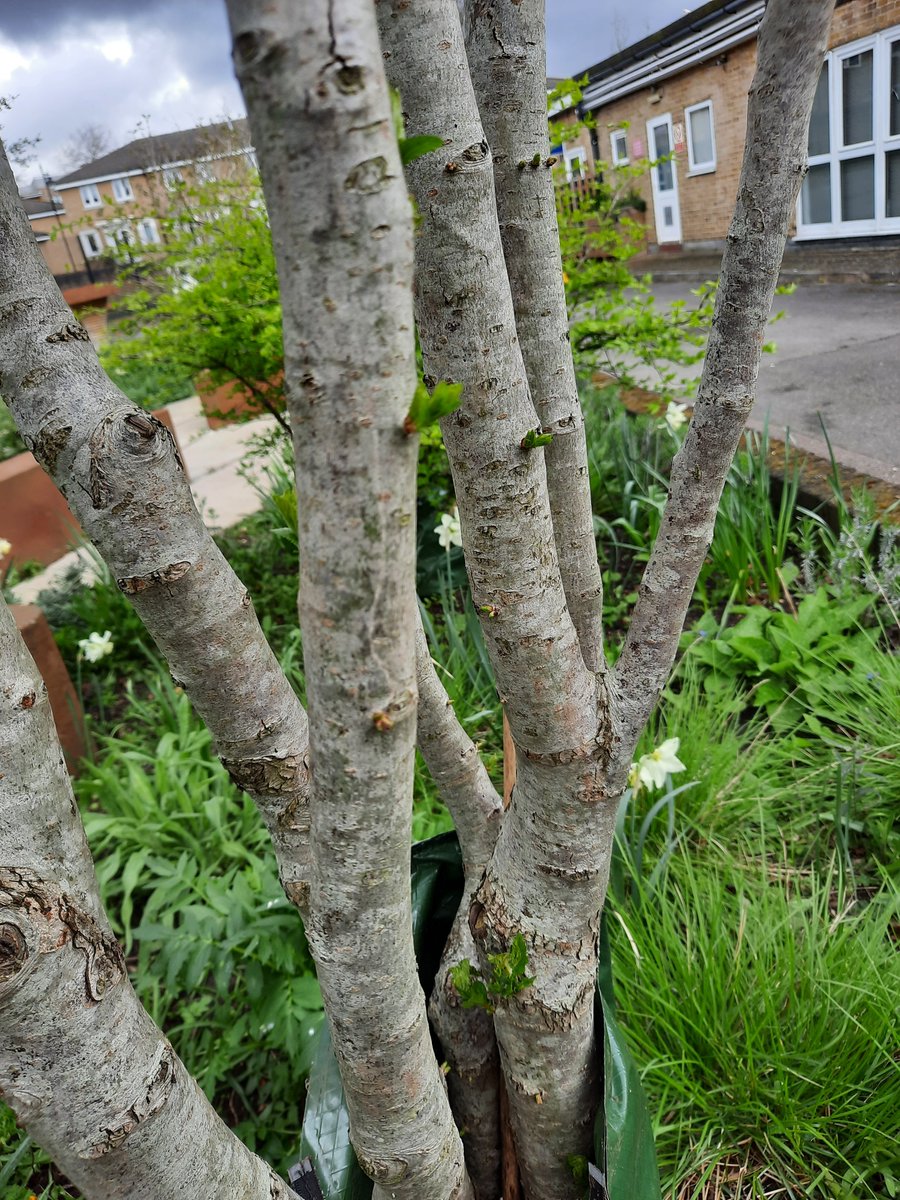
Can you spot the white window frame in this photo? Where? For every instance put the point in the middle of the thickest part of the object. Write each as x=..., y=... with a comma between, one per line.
x=617, y=159
x=878, y=147
x=90, y=195
x=172, y=177
x=84, y=238
x=144, y=224
x=694, y=167
x=573, y=154
x=122, y=190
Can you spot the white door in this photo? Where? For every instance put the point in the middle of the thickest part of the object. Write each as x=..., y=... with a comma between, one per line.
x=664, y=179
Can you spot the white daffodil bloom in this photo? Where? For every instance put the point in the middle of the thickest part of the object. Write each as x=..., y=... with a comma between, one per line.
x=449, y=532
x=651, y=769
x=96, y=646
x=5, y=547
x=676, y=415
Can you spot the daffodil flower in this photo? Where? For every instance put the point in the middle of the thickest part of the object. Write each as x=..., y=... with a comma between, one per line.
x=676, y=415
x=96, y=646
x=651, y=769
x=5, y=547
x=449, y=532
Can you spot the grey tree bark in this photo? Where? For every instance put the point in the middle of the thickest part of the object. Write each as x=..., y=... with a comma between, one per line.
x=90, y=1076
x=314, y=82
x=466, y=1035
x=312, y=76
x=548, y=874
x=506, y=46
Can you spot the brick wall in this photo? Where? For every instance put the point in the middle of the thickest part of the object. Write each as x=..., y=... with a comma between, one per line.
x=707, y=201
x=860, y=18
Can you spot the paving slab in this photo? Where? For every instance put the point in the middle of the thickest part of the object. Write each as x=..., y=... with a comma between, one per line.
x=218, y=467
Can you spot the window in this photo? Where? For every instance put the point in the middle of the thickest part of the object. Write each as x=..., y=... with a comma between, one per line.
x=90, y=243
x=853, y=182
x=203, y=171
x=573, y=160
x=122, y=190
x=147, y=232
x=618, y=141
x=90, y=195
x=700, y=138
x=172, y=177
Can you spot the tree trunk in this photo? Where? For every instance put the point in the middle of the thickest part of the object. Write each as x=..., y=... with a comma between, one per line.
x=506, y=45
x=312, y=76
x=89, y=1075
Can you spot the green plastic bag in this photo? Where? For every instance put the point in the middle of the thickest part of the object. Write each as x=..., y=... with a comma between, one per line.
x=623, y=1134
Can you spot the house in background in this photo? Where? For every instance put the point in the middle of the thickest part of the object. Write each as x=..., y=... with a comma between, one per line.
x=86, y=218
x=679, y=97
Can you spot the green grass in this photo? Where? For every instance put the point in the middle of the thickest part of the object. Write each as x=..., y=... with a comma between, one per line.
x=764, y=1011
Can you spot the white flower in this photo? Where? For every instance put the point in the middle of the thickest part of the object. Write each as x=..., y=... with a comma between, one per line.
x=676, y=415
x=5, y=547
x=96, y=646
x=651, y=769
x=448, y=532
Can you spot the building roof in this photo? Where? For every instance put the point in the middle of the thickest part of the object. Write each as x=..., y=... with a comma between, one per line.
x=162, y=149
x=699, y=35
x=40, y=206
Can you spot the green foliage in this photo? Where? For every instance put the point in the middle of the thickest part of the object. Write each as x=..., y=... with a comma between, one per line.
x=615, y=323
x=534, y=438
x=10, y=442
x=507, y=977
x=754, y=547
x=428, y=408
x=189, y=880
x=412, y=148
x=782, y=657
x=204, y=301
x=765, y=1011
x=150, y=384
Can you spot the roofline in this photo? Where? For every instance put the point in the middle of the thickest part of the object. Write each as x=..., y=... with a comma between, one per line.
x=51, y=212
x=66, y=187
x=666, y=54
x=163, y=166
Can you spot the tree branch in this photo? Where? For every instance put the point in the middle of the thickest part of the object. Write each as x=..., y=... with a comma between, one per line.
x=89, y=1075
x=466, y=1034
x=312, y=77
x=792, y=42
x=506, y=46
x=120, y=472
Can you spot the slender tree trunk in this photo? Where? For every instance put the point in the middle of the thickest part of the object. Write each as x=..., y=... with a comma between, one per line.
x=120, y=472
x=90, y=1076
x=466, y=1035
x=548, y=869
x=506, y=46
x=792, y=42
x=342, y=229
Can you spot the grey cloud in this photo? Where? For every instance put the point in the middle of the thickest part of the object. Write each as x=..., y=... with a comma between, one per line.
x=583, y=32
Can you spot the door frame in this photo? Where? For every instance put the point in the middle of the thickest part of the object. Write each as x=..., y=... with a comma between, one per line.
x=665, y=235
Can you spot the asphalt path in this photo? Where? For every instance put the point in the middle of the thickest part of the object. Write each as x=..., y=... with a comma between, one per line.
x=837, y=361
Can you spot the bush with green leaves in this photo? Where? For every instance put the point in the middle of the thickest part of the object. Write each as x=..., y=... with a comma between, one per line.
x=205, y=300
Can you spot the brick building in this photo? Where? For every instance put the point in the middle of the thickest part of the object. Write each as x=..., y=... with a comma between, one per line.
x=680, y=96
x=83, y=219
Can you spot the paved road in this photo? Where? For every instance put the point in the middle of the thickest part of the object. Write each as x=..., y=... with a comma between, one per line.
x=839, y=356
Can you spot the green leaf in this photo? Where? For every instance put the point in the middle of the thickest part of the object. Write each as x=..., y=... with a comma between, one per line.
x=428, y=408
x=414, y=147
x=534, y=438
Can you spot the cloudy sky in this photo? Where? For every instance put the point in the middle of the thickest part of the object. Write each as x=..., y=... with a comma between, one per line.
x=166, y=63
